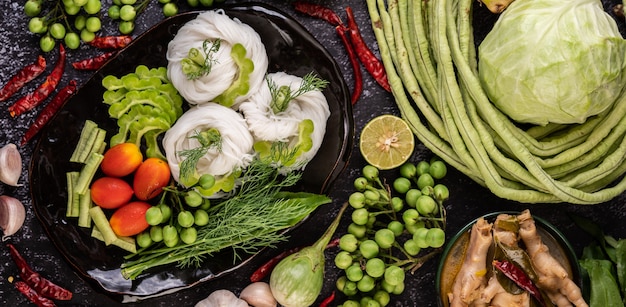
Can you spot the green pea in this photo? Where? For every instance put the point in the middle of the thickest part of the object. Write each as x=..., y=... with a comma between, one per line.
x=438, y=169
x=370, y=172
x=193, y=199
x=200, y=217
x=358, y=231
x=366, y=284
x=375, y=267
x=46, y=43
x=360, y=216
x=154, y=216
x=188, y=235
x=435, y=237
x=36, y=25
x=32, y=8
x=348, y=242
x=143, y=239
x=426, y=205
x=422, y=168
x=369, y=249
x=384, y=237
x=86, y=35
x=441, y=192
x=156, y=233
x=114, y=12
x=357, y=200
x=343, y=260
x=402, y=185
x=72, y=40
x=57, y=30
x=185, y=218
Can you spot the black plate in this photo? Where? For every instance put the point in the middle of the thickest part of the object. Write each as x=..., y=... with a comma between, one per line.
x=290, y=48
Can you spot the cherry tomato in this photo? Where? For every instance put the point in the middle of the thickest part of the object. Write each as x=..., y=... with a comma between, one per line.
x=130, y=219
x=110, y=192
x=150, y=178
x=121, y=160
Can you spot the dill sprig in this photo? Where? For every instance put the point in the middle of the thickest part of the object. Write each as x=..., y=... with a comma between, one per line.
x=208, y=139
x=282, y=95
x=247, y=222
x=198, y=64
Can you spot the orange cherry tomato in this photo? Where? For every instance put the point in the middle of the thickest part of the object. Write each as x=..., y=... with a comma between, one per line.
x=130, y=219
x=110, y=192
x=121, y=160
x=150, y=178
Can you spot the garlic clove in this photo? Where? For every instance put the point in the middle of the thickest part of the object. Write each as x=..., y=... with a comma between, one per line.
x=12, y=215
x=258, y=294
x=10, y=164
x=222, y=298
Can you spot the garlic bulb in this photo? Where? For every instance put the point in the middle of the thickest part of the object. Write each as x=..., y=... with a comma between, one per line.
x=258, y=294
x=12, y=215
x=10, y=164
x=222, y=298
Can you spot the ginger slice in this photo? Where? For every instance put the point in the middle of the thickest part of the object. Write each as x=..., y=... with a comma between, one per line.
x=471, y=278
x=553, y=278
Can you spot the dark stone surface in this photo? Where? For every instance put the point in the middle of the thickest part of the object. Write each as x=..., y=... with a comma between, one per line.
x=468, y=199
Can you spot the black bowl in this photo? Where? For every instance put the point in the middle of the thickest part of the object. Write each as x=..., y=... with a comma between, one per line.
x=454, y=253
x=290, y=47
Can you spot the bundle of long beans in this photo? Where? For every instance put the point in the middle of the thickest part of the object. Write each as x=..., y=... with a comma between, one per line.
x=428, y=51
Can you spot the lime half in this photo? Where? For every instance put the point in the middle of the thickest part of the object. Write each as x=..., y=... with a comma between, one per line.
x=386, y=142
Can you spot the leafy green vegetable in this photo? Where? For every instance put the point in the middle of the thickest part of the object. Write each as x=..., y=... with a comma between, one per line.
x=604, y=290
x=241, y=85
x=553, y=61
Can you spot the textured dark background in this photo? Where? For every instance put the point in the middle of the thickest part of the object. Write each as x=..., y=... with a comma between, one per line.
x=468, y=200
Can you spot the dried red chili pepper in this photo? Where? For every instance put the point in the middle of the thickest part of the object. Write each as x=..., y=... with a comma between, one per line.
x=111, y=42
x=22, y=77
x=326, y=302
x=369, y=60
x=49, y=111
x=318, y=11
x=44, y=90
x=41, y=285
x=520, y=278
x=93, y=63
x=32, y=295
x=358, y=77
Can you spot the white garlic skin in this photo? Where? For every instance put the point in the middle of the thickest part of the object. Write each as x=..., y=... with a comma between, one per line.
x=10, y=164
x=12, y=215
x=222, y=298
x=258, y=294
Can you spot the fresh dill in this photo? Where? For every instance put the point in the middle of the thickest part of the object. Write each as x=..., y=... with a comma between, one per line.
x=244, y=223
x=198, y=64
x=282, y=95
x=207, y=139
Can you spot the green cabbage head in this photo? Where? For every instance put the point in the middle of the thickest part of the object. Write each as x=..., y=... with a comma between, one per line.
x=553, y=61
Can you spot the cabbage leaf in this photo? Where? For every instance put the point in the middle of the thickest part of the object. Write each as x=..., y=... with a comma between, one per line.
x=553, y=61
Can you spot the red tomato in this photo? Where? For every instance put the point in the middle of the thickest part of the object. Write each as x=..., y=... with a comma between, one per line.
x=150, y=178
x=110, y=192
x=130, y=219
x=121, y=160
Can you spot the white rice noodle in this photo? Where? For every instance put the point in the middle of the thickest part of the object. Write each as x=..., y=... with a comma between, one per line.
x=236, y=148
x=213, y=25
x=283, y=126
